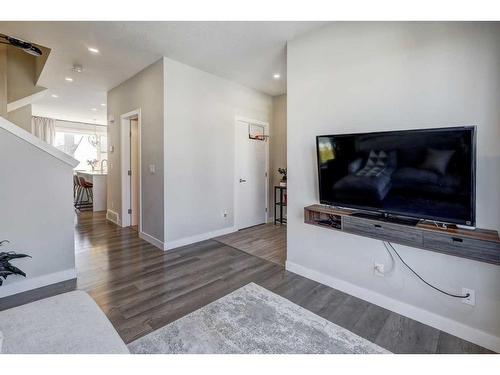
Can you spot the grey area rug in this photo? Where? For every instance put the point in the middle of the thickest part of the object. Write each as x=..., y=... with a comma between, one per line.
x=252, y=320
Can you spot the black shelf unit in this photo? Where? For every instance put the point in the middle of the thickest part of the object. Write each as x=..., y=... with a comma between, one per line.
x=279, y=203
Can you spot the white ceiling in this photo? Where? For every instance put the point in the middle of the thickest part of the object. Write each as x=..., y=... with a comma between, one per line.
x=245, y=52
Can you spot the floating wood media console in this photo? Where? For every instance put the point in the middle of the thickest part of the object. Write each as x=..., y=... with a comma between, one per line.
x=480, y=244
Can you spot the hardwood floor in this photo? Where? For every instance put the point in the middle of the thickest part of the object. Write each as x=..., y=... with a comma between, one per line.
x=266, y=241
x=142, y=288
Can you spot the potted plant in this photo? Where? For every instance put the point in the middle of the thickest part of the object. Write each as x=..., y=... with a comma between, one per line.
x=6, y=268
x=282, y=172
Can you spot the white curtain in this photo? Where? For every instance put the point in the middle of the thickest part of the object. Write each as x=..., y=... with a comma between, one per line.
x=44, y=128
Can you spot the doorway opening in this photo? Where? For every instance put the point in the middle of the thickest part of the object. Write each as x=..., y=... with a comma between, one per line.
x=131, y=212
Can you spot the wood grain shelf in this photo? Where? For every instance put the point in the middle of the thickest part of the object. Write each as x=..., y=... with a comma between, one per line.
x=482, y=245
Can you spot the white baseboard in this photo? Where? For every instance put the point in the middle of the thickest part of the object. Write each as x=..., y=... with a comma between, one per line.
x=169, y=245
x=152, y=240
x=450, y=326
x=23, y=285
x=113, y=217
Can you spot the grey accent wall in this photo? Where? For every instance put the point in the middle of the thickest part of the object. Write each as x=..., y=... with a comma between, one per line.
x=144, y=91
x=361, y=77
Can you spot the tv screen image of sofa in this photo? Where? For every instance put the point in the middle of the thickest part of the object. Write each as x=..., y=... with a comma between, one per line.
x=424, y=173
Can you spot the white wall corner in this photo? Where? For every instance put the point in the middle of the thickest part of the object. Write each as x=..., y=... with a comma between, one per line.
x=165, y=155
x=437, y=321
x=152, y=240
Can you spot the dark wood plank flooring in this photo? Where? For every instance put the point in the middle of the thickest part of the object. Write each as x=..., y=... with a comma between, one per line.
x=266, y=241
x=141, y=288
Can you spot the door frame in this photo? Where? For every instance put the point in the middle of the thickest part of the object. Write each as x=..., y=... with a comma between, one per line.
x=125, y=165
x=235, y=167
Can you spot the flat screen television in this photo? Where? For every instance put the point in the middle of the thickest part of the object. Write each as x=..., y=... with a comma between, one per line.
x=418, y=174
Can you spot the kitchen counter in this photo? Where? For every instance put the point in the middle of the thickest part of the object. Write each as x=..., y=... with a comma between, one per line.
x=93, y=173
x=99, y=191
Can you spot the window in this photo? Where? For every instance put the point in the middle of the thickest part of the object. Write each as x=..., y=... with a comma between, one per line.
x=78, y=141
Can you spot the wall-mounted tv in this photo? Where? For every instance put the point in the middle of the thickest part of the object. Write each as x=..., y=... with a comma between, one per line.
x=420, y=174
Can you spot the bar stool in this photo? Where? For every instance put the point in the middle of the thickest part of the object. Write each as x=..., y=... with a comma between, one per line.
x=87, y=187
x=76, y=190
x=83, y=188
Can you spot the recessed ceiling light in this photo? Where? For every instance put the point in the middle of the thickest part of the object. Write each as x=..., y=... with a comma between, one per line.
x=103, y=104
x=94, y=109
x=93, y=50
x=69, y=79
x=55, y=95
x=276, y=76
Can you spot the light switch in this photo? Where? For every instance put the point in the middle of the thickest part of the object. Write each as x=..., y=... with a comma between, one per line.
x=152, y=168
x=111, y=148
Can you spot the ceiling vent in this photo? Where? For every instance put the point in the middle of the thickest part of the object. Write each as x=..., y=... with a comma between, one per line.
x=77, y=68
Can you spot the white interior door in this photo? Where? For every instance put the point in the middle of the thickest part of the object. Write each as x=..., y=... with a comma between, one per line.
x=251, y=179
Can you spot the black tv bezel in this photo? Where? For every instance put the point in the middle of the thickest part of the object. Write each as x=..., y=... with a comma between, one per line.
x=472, y=223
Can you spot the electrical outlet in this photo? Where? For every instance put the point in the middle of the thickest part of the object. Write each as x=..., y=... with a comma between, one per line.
x=378, y=269
x=471, y=300
x=224, y=214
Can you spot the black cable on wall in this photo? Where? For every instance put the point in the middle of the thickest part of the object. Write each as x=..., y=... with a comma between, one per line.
x=421, y=279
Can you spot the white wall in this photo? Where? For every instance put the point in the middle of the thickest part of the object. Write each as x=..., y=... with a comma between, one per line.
x=37, y=214
x=358, y=77
x=199, y=149
x=143, y=91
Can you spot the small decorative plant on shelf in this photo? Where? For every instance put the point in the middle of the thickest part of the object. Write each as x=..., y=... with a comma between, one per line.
x=282, y=172
x=6, y=268
x=93, y=163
